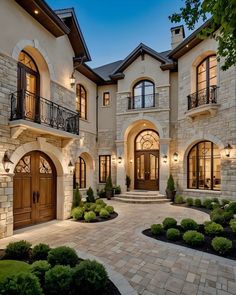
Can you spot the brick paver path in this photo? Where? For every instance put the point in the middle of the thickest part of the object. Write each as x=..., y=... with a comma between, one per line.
x=150, y=266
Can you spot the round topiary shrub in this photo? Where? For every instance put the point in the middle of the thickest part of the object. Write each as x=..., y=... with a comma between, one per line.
x=189, y=224
x=110, y=209
x=212, y=229
x=215, y=205
x=40, y=252
x=22, y=284
x=78, y=213
x=228, y=215
x=62, y=255
x=18, y=250
x=89, y=216
x=59, y=280
x=207, y=203
x=90, y=277
x=100, y=202
x=221, y=245
x=198, y=203
x=232, y=207
x=189, y=201
x=224, y=202
x=215, y=200
x=179, y=199
x=87, y=206
x=98, y=209
x=173, y=234
x=169, y=222
x=92, y=207
x=39, y=268
x=157, y=229
x=217, y=215
x=233, y=225
x=193, y=238
x=104, y=213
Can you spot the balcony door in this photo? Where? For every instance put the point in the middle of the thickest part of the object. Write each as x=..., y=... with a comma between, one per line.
x=147, y=161
x=28, y=87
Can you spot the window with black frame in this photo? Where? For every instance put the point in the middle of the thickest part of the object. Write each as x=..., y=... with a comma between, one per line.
x=81, y=101
x=143, y=95
x=80, y=173
x=104, y=168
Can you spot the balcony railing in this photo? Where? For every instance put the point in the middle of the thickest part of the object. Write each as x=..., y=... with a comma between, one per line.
x=202, y=97
x=28, y=106
x=142, y=101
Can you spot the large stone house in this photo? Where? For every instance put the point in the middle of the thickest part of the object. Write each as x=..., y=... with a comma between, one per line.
x=146, y=116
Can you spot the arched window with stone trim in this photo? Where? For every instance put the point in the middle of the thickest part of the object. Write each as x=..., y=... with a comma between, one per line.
x=143, y=95
x=81, y=101
x=204, y=166
x=80, y=173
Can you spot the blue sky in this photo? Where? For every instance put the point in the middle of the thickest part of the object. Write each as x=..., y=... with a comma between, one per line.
x=113, y=28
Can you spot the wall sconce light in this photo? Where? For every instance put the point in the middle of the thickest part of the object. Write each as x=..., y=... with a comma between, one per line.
x=6, y=162
x=165, y=159
x=72, y=80
x=131, y=161
x=228, y=149
x=71, y=167
x=113, y=158
x=119, y=160
x=175, y=157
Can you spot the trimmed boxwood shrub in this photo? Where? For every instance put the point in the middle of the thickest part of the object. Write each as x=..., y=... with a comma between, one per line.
x=101, y=202
x=18, y=250
x=198, y=203
x=232, y=207
x=59, y=280
x=104, y=213
x=62, y=255
x=39, y=268
x=157, y=229
x=189, y=201
x=173, y=234
x=92, y=207
x=22, y=284
x=189, y=224
x=40, y=252
x=110, y=209
x=224, y=202
x=77, y=213
x=90, y=277
x=215, y=200
x=193, y=238
x=221, y=245
x=207, y=203
x=98, y=209
x=233, y=225
x=215, y=205
x=87, y=206
x=179, y=199
x=169, y=222
x=228, y=215
x=89, y=216
x=211, y=228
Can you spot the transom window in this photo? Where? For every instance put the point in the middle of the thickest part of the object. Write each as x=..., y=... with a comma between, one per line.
x=27, y=60
x=106, y=99
x=207, y=73
x=143, y=95
x=204, y=166
x=104, y=167
x=81, y=101
x=80, y=173
x=147, y=140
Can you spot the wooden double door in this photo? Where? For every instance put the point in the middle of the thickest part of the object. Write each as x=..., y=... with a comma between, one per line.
x=34, y=190
x=146, y=170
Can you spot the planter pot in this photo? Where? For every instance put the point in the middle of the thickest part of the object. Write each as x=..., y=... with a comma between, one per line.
x=170, y=195
x=109, y=194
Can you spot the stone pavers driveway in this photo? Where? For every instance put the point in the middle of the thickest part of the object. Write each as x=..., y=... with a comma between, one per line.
x=150, y=266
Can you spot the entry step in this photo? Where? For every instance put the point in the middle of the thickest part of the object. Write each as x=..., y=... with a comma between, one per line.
x=141, y=197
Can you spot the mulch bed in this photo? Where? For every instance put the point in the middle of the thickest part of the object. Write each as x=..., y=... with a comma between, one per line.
x=206, y=247
x=202, y=209
x=98, y=218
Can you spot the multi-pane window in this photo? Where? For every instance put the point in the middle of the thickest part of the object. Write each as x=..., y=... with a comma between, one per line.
x=104, y=167
x=80, y=173
x=81, y=101
x=106, y=99
x=143, y=95
x=204, y=166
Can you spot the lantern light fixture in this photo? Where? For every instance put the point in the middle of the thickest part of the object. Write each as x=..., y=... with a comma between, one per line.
x=228, y=149
x=119, y=160
x=165, y=159
x=70, y=167
x=6, y=162
x=72, y=80
x=175, y=157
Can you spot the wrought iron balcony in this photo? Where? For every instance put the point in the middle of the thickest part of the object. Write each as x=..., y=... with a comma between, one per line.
x=202, y=97
x=28, y=106
x=142, y=101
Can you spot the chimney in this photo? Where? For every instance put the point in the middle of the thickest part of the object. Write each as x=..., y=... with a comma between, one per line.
x=177, y=36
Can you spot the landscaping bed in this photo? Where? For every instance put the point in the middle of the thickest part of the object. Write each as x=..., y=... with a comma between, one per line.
x=45, y=271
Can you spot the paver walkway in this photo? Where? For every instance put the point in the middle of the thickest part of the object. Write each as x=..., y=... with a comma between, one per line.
x=150, y=266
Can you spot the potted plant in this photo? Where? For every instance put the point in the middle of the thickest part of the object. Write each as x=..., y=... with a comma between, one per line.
x=128, y=182
x=109, y=188
x=170, y=189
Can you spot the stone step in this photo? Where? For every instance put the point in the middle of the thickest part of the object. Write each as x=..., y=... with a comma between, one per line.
x=137, y=197
x=141, y=200
x=141, y=193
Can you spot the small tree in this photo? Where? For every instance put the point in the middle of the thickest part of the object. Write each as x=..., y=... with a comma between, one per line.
x=108, y=187
x=90, y=195
x=76, y=197
x=127, y=181
x=171, y=183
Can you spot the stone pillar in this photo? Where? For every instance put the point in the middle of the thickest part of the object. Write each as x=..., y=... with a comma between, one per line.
x=120, y=167
x=164, y=168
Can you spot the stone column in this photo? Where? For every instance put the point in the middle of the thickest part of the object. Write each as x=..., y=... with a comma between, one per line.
x=164, y=168
x=120, y=167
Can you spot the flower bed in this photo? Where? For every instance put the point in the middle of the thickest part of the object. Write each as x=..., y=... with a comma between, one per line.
x=42, y=270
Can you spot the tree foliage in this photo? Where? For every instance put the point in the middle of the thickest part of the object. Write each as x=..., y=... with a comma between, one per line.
x=222, y=24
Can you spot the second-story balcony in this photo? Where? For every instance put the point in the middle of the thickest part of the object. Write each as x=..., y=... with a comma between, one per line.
x=29, y=110
x=142, y=101
x=202, y=102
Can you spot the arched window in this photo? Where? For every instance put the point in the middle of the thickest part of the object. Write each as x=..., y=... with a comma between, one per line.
x=80, y=173
x=204, y=166
x=147, y=140
x=143, y=95
x=81, y=101
x=207, y=77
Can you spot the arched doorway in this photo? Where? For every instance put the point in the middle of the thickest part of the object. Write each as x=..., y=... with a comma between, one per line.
x=146, y=168
x=34, y=190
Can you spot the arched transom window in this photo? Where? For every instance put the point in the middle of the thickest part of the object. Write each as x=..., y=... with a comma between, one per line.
x=204, y=166
x=147, y=140
x=81, y=101
x=143, y=95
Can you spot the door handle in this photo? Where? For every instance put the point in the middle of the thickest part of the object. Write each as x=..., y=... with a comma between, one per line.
x=34, y=195
x=38, y=195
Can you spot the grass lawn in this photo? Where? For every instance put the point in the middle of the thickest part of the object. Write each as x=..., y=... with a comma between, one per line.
x=9, y=267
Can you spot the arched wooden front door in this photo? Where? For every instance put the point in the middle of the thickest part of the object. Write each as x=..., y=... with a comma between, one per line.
x=34, y=190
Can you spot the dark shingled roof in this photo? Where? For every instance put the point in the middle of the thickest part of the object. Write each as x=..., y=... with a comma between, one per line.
x=106, y=70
